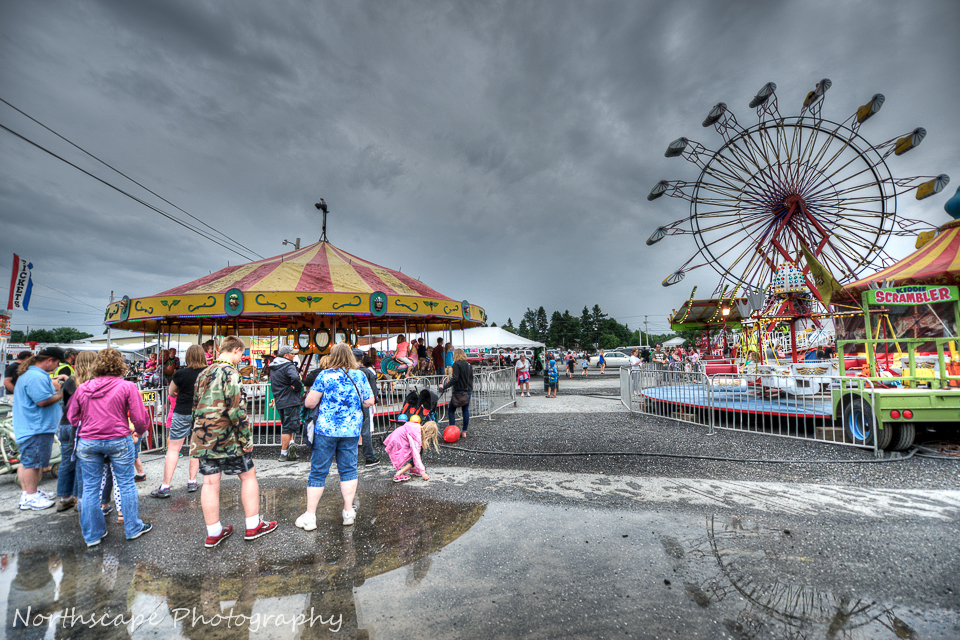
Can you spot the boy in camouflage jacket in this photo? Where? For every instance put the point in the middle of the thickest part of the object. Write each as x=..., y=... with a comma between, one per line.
x=222, y=441
x=221, y=428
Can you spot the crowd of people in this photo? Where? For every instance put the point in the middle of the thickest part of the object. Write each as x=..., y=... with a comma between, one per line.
x=99, y=417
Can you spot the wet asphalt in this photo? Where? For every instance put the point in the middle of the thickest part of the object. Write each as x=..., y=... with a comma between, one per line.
x=609, y=544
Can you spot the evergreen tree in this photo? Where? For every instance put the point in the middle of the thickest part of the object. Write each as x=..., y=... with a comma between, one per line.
x=597, y=318
x=509, y=326
x=588, y=334
x=541, y=325
x=556, y=330
x=530, y=318
x=524, y=329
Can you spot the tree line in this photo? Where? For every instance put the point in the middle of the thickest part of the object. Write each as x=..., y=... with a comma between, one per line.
x=591, y=329
x=59, y=335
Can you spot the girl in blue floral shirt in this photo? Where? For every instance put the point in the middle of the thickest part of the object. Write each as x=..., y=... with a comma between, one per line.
x=340, y=393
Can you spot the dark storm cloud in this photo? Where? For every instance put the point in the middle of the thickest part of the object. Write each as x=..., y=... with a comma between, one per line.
x=499, y=151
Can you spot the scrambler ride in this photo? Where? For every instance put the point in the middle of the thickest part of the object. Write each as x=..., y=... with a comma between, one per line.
x=925, y=391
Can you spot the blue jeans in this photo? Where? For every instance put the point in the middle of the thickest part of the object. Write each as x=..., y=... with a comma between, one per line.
x=68, y=476
x=90, y=455
x=451, y=412
x=324, y=449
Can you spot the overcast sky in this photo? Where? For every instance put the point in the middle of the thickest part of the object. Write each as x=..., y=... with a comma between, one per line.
x=500, y=152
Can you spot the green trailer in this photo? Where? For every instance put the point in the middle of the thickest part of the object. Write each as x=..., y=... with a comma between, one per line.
x=886, y=411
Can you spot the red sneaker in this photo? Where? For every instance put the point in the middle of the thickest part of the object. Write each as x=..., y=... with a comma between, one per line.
x=213, y=541
x=261, y=529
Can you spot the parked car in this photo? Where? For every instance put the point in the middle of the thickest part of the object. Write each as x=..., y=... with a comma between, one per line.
x=614, y=359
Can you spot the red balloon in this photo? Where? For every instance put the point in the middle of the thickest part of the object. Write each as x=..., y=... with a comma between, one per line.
x=451, y=433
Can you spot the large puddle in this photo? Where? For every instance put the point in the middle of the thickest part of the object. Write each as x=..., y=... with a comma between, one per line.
x=415, y=566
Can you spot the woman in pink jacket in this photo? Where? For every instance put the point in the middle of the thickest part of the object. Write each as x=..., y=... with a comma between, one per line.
x=103, y=409
x=404, y=445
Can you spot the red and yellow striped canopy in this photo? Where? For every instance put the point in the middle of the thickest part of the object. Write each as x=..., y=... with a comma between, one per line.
x=294, y=289
x=318, y=268
x=937, y=262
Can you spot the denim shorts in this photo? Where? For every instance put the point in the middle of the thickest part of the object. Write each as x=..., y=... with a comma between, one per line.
x=181, y=426
x=324, y=450
x=35, y=450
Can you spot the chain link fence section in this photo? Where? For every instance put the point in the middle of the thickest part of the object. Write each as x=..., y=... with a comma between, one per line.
x=819, y=407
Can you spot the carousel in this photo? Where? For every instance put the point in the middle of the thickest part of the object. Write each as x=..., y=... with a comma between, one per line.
x=311, y=298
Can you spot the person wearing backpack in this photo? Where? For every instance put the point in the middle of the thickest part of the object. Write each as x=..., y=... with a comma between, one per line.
x=366, y=440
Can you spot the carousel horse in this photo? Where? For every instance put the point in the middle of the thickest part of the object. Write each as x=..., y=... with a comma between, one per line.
x=391, y=367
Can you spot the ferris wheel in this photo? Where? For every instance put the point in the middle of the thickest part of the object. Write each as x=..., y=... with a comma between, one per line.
x=789, y=182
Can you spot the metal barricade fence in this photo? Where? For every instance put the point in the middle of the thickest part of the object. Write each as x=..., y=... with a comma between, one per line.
x=155, y=402
x=493, y=390
x=823, y=408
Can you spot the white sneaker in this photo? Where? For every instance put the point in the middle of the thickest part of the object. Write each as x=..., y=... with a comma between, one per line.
x=307, y=521
x=349, y=517
x=48, y=496
x=36, y=502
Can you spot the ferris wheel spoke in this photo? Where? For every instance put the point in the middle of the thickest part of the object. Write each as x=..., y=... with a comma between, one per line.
x=829, y=179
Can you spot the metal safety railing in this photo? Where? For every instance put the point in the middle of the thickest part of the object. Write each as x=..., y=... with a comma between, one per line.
x=825, y=408
x=493, y=390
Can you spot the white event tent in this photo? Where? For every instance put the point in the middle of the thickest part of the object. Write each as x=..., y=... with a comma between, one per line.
x=473, y=338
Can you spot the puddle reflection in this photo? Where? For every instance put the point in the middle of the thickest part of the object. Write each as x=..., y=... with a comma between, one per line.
x=741, y=563
x=75, y=593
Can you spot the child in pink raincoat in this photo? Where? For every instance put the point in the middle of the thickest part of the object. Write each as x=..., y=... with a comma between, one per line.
x=404, y=445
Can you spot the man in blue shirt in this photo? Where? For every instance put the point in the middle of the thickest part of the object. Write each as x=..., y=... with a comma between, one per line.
x=36, y=414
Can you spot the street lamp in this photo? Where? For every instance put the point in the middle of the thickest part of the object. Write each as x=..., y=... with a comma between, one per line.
x=296, y=245
x=322, y=206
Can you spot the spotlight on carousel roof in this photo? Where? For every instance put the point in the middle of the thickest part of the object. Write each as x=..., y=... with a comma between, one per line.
x=817, y=92
x=763, y=95
x=909, y=141
x=658, y=190
x=933, y=187
x=322, y=206
x=715, y=114
x=866, y=111
x=676, y=148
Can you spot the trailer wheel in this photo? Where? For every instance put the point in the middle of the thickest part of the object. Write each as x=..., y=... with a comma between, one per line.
x=859, y=424
x=903, y=437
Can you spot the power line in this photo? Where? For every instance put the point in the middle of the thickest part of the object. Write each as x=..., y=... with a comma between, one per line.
x=225, y=236
x=129, y=195
x=57, y=290
x=86, y=313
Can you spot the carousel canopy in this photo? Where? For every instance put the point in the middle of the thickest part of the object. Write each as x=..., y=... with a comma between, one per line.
x=706, y=314
x=937, y=262
x=295, y=289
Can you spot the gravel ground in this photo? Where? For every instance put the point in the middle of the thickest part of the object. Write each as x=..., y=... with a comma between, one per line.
x=617, y=431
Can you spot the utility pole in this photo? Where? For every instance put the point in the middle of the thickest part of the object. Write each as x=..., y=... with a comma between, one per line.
x=296, y=245
x=108, y=326
x=646, y=331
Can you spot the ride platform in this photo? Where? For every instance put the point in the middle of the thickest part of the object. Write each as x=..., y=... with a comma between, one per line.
x=753, y=399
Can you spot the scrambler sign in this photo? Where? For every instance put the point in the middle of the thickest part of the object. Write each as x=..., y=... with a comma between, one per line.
x=912, y=294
